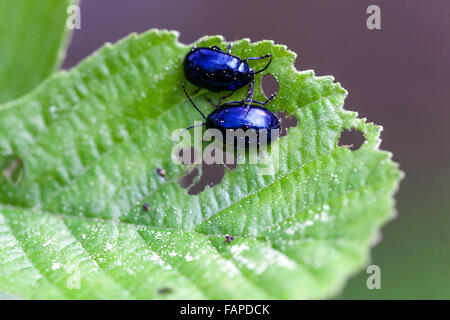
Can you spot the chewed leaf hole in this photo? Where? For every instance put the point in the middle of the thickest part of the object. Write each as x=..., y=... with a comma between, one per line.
x=188, y=156
x=12, y=169
x=212, y=174
x=165, y=290
x=287, y=122
x=352, y=139
x=198, y=177
x=188, y=179
x=269, y=85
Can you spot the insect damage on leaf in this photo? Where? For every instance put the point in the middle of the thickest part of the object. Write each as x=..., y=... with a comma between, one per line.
x=353, y=139
x=93, y=140
x=12, y=169
x=208, y=175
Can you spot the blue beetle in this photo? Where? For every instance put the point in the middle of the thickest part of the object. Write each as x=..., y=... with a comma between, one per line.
x=236, y=115
x=216, y=70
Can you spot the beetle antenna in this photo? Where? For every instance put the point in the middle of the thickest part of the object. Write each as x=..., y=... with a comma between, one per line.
x=192, y=102
x=267, y=65
x=184, y=130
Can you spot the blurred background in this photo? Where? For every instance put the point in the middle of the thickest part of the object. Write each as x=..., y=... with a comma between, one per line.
x=398, y=77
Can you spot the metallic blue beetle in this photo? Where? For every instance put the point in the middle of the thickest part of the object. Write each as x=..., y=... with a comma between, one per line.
x=216, y=70
x=236, y=115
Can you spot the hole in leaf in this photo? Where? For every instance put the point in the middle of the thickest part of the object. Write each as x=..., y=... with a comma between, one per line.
x=210, y=175
x=287, y=122
x=188, y=179
x=188, y=156
x=269, y=85
x=12, y=169
x=353, y=139
x=164, y=290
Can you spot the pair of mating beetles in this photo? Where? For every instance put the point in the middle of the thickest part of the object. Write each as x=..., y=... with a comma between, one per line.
x=216, y=70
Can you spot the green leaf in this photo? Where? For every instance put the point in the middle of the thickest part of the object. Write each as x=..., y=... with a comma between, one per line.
x=90, y=141
x=33, y=39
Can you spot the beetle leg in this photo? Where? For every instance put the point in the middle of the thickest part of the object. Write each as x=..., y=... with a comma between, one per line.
x=229, y=47
x=268, y=63
x=192, y=102
x=250, y=93
x=270, y=98
x=211, y=102
x=258, y=102
x=225, y=97
x=258, y=58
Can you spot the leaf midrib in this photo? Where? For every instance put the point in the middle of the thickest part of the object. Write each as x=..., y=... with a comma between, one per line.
x=194, y=231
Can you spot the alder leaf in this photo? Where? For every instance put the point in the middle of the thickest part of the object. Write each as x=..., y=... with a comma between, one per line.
x=90, y=142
